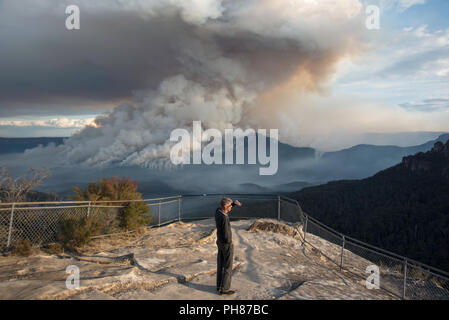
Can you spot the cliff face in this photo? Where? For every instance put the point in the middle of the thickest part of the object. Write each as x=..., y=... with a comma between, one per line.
x=435, y=161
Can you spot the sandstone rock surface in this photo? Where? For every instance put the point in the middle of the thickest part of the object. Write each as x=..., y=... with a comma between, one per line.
x=178, y=261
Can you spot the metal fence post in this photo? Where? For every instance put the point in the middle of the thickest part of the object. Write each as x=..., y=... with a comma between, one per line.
x=405, y=279
x=179, y=209
x=88, y=209
x=159, y=212
x=342, y=250
x=279, y=208
x=10, y=225
x=305, y=227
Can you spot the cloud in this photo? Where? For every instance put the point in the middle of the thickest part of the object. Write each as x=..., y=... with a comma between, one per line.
x=53, y=123
x=405, y=65
x=124, y=47
x=405, y=4
x=401, y=5
x=408, y=54
x=212, y=66
x=428, y=105
x=422, y=54
x=308, y=122
x=42, y=63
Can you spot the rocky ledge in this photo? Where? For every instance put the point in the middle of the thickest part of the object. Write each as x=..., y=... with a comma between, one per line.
x=178, y=261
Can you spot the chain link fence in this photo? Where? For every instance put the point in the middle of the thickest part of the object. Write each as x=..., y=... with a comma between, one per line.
x=403, y=278
x=41, y=222
x=399, y=276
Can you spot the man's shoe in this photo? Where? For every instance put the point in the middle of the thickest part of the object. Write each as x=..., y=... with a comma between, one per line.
x=227, y=292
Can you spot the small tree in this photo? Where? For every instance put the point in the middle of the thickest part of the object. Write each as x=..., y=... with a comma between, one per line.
x=108, y=189
x=134, y=214
x=23, y=248
x=93, y=192
x=77, y=232
x=16, y=189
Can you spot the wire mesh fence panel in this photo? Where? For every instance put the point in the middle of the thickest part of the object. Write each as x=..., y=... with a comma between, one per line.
x=421, y=284
x=363, y=262
x=201, y=207
x=5, y=216
x=154, y=213
x=262, y=207
x=41, y=225
x=170, y=211
x=290, y=212
x=327, y=241
x=107, y=217
x=162, y=212
x=253, y=207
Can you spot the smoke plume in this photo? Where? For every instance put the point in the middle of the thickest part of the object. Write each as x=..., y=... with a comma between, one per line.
x=224, y=63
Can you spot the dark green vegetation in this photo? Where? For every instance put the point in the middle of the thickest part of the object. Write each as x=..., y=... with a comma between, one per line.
x=404, y=209
x=78, y=231
x=133, y=215
x=23, y=248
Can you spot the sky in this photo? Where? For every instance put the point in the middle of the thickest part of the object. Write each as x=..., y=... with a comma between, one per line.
x=409, y=62
x=307, y=67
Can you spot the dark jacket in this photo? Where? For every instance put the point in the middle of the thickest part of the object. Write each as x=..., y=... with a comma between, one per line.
x=224, y=233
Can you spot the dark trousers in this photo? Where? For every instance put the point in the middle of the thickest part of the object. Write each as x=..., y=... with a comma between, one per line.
x=225, y=257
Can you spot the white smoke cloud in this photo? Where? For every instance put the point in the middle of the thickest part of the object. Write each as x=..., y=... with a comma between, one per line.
x=191, y=11
x=405, y=4
x=51, y=123
x=138, y=135
x=230, y=54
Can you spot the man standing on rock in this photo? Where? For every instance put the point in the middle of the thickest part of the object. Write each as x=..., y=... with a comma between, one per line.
x=225, y=247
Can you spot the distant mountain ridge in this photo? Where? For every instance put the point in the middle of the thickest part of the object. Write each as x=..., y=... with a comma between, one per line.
x=304, y=165
x=364, y=160
x=19, y=145
x=37, y=196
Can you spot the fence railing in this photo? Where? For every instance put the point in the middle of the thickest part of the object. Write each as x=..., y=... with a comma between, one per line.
x=399, y=276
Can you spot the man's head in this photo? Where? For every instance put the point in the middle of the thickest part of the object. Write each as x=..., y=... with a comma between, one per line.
x=226, y=204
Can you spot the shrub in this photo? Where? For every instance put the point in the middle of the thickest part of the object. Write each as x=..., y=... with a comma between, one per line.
x=23, y=248
x=108, y=189
x=77, y=232
x=415, y=273
x=54, y=248
x=134, y=216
